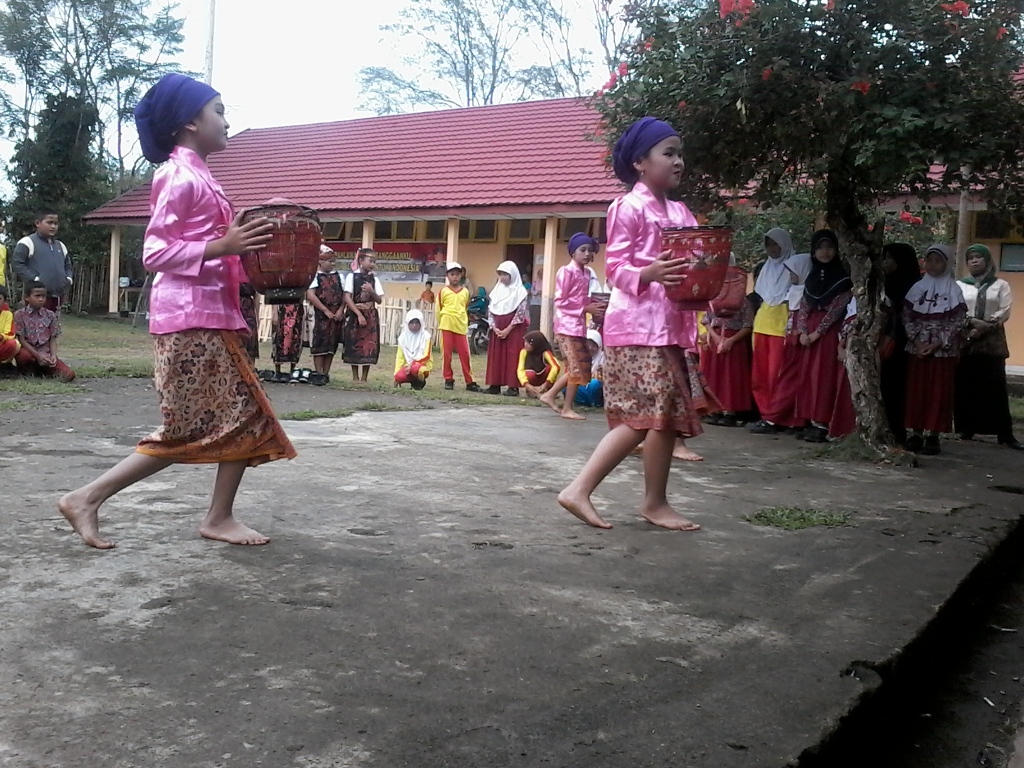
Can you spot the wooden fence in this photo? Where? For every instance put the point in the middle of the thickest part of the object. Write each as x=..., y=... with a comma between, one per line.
x=392, y=313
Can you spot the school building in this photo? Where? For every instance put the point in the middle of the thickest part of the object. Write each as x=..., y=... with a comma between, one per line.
x=478, y=186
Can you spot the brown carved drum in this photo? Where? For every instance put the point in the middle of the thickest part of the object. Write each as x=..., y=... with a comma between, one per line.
x=284, y=269
x=706, y=251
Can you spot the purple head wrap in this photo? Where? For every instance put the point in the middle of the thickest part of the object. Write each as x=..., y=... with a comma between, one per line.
x=165, y=109
x=636, y=142
x=580, y=239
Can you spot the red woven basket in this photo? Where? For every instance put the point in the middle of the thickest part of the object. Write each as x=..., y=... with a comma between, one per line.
x=284, y=269
x=706, y=251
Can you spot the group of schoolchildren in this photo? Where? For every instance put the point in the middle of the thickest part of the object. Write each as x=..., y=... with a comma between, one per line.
x=29, y=335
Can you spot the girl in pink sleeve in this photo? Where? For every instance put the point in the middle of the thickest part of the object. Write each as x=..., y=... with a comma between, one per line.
x=214, y=408
x=653, y=393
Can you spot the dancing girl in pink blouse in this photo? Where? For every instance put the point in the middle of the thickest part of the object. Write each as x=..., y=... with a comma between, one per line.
x=213, y=406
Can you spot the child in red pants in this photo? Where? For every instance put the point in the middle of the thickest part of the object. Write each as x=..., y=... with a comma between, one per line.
x=37, y=329
x=453, y=323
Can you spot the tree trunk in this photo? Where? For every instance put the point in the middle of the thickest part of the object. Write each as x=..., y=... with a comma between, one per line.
x=863, y=252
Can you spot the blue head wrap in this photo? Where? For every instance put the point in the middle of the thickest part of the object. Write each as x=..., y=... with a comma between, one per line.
x=580, y=239
x=637, y=141
x=165, y=109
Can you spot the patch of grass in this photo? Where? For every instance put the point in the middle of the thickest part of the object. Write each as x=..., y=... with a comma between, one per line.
x=795, y=518
x=105, y=347
x=10, y=405
x=32, y=386
x=130, y=369
x=380, y=405
x=1017, y=408
x=309, y=415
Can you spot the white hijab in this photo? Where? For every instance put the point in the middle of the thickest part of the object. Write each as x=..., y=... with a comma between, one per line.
x=595, y=336
x=772, y=283
x=936, y=295
x=800, y=265
x=505, y=299
x=413, y=344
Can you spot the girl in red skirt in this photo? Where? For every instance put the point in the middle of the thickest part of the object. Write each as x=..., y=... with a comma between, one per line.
x=508, y=314
x=725, y=359
x=653, y=392
x=827, y=294
x=934, y=314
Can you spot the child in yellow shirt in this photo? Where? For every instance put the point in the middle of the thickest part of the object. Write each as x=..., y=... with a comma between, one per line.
x=9, y=344
x=453, y=323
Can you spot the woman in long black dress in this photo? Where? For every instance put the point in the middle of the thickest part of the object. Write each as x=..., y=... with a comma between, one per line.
x=902, y=270
x=982, y=405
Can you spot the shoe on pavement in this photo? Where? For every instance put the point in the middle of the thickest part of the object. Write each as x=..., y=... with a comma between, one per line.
x=472, y=387
x=931, y=446
x=763, y=427
x=915, y=443
x=449, y=384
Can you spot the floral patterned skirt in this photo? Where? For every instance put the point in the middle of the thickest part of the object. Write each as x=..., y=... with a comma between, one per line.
x=658, y=388
x=214, y=408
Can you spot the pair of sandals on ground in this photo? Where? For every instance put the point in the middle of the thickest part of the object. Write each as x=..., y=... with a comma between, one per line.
x=298, y=376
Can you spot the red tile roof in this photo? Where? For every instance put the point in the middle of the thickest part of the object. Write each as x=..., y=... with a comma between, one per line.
x=530, y=157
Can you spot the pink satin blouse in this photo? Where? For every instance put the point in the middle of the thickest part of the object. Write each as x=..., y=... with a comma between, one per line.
x=188, y=209
x=642, y=315
x=572, y=291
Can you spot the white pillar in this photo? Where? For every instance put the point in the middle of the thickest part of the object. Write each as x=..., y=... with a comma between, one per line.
x=114, y=272
x=452, y=253
x=369, y=231
x=209, y=41
x=963, y=235
x=547, y=294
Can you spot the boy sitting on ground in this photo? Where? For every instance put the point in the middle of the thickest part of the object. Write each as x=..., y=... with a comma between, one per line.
x=9, y=345
x=37, y=329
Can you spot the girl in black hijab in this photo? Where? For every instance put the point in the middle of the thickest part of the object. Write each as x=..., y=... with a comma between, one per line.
x=827, y=293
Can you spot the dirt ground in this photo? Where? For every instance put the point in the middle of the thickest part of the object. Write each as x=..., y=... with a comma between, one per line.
x=425, y=603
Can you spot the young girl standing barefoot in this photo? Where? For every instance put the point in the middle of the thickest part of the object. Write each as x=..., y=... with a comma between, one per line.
x=214, y=409
x=650, y=390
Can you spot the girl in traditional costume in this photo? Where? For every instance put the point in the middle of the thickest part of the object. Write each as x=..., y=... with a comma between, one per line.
x=726, y=357
x=827, y=294
x=287, y=339
x=414, y=359
x=508, y=314
x=213, y=406
x=538, y=369
x=651, y=389
x=934, y=313
x=326, y=294
x=982, y=402
x=363, y=292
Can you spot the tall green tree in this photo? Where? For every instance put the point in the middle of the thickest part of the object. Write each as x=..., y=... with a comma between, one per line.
x=867, y=99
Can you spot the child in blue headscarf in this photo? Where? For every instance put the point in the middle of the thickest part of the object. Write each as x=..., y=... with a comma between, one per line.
x=214, y=409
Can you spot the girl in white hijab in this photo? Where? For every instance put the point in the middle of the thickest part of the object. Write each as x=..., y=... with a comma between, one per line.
x=508, y=313
x=414, y=359
x=781, y=271
x=934, y=314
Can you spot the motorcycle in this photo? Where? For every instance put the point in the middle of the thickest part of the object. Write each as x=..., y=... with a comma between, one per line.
x=479, y=332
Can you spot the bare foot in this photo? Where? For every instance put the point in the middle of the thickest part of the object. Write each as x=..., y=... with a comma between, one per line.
x=683, y=453
x=665, y=517
x=84, y=518
x=639, y=450
x=548, y=399
x=572, y=415
x=581, y=507
x=233, y=532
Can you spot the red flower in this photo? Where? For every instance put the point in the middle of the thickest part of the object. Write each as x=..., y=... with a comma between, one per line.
x=958, y=7
x=612, y=80
x=766, y=73
x=682, y=105
x=742, y=7
x=1001, y=33
x=830, y=5
x=623, y=68
x=742, y=201
x=648, y=43
x=861, y=85
x=916, y=220
x=906, y=216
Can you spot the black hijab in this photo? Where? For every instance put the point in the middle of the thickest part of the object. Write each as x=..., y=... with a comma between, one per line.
x=908, y=272
x=826, y=281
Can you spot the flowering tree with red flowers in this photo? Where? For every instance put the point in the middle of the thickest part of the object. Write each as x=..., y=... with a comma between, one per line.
x=867, y=98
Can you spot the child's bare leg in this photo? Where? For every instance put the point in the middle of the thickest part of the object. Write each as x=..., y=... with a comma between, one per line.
x=681, y=452
x=328, y=362
x=318, y=363
x=657, y=461
x=355, y=373
x=548, y=398
x=366, y=374
x=567, y=404
x=220, y=523
x=81, y=507
x=608, y=454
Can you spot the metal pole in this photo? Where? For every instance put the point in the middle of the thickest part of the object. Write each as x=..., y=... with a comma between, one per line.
x=209, y=41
